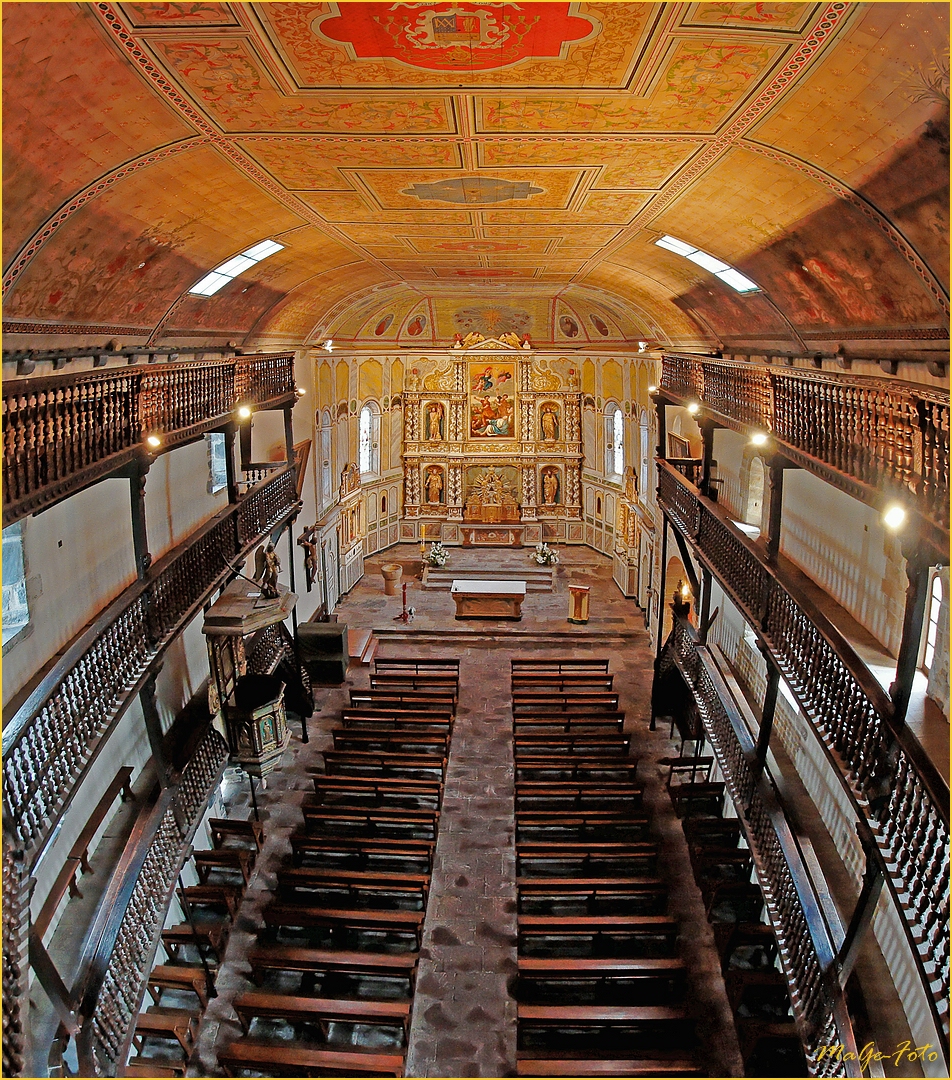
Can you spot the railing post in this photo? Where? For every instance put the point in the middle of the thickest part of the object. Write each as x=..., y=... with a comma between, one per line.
x=767, y=713
x=230, y=477
x=704, y=616
x=917, y=573
x=140, y=537
x=153, y=726
x=662, y=448
x=864, y=911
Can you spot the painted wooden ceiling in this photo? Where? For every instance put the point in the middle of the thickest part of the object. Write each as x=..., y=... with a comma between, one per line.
x=419, y=160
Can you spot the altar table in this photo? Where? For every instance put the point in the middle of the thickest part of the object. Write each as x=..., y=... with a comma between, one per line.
x=488, y=599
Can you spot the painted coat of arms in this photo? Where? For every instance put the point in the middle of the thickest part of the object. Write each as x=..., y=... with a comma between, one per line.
x=492, y=406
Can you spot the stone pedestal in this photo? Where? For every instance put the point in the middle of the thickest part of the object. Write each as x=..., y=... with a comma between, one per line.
x=392, y=574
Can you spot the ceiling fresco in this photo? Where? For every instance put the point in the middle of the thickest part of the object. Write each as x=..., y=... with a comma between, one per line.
x=421, y=161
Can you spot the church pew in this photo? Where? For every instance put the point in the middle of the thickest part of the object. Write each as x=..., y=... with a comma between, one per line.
x=541, y=767
x=429, y=742
x=220, y=897
x=569, y=722
x=417, y=664
x=356, y=790
x=361, y=853
x=396, y=719
x=246, y=831
x=295, y=1059
x=377, y=763
x=418, y=700
x=301, y=884
x=440, y=682
x=646, y=1019
x=555, y=825
x=321, y=1011
x=702, y=799
x=602, y=935
x=202, y=937
x=649, y=1065
x=370, y=822
x=295, y=958
x=280, y=915
x=663, y=978
x=592, y=895
x=237, y=860
x=588, y=856
x=587, y=682
x=526, y=701
x=545, y=795
x=556, y=665
x=169, y=1025
x=120, y=785
x=189, y=977
x=575, y=742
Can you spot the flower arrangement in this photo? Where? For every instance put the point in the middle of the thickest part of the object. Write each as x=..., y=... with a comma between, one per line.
x=437, y=555
x=544, y=555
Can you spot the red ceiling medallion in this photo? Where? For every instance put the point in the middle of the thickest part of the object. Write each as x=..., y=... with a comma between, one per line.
x=455, y=37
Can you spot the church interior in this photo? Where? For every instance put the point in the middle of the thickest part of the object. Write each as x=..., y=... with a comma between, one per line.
x=475, y=539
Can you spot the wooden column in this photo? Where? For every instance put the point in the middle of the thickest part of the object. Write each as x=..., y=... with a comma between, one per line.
x=140, y=539
x=917, y=573
x=231, y=478
x=774, y=514
x=704, y=615
x=153, y=727
x=768, y=710
x=659, y=644
x=707, y=454
x=662, y=447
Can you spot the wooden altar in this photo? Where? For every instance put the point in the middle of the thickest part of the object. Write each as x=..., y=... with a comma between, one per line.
x=492, y=449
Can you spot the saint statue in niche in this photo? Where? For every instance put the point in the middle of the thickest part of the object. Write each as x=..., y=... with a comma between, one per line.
x=549, y=423
x=550, y=487
x=434, y=484
x=434, y=424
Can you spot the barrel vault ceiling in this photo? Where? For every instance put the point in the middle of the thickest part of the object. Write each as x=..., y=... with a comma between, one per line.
x=424, y=160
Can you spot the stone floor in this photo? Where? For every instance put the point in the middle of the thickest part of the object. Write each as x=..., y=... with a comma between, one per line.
x=463, y=1021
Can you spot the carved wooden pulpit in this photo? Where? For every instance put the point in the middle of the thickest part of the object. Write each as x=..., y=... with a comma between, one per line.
x=251, y=705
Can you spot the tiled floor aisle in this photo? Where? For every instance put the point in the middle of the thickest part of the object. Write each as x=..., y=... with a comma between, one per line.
x=463, y=1017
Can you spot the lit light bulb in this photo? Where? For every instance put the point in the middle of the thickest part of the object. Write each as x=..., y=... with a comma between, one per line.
x=894, y=517
x=685, y=592
x=758, y=438
x=154, y=441
x=300, y=391
x=694, y=408
x=652, y=389
x=244, y=412
x=328, y=345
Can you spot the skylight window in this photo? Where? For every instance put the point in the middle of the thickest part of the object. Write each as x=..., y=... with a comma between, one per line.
x=720, y=269
x=234, y=266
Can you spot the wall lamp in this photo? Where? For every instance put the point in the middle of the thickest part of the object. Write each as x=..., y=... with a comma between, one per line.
x=153, y=442
x=300, y=391
x=759, y=438
x=327, y=346
x=694, y=407
x=895, y=517
x=244, y=412
x=652, y=389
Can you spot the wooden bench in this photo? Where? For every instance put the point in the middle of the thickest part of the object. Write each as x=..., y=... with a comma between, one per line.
x=418, y=700
x=649, y=1066
x=306, y=884
x=152, y=1067
x=187, y=977
x=601, y=1016
x=732, y=901
x=239, y=860
x=212, y=936
x=753, y=943
x=588, y=855
x=658, y=932
x=705, y=799
x=360, y=852
x=721, y=832
x=243, y=830
x=568, y=722
x=663, y=977
x=227, y=897
x=295, y=1059
x=294, y=958
x=372, y=821
x=170, y=1025
x=574, y=768
x=532, y=701
x=444, y=683
x=65, y=883
x=120, y=786
x=375, y=789
x=396, y=720
x=321, y=1011
x=631, y=895
x=543, y=794
x=556, y=665
x=587, y=682
x=381, y=763
x=345, y=920
x=554, y=825
x=575, y=742
x=416, y=742
x=416, y=664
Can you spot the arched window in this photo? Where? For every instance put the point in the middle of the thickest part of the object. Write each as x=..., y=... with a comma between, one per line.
x=933, y=610
x=614, y=442
x=369, y=441
x=326, y=464
x=645, y=428
x=16, y=609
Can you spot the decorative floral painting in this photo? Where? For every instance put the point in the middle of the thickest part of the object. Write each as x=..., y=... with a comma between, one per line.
x=492, y=408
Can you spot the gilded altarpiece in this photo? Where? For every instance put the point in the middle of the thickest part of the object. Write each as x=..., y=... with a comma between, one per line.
x=492, y=437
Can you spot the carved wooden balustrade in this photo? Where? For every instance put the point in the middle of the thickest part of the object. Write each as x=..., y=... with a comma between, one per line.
x=892, y=783
x=863, y=434
x=806, y=947
x=273, y=651
x=64, y=432
x=15, y=915
x=59, y=729
x=122, y=941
